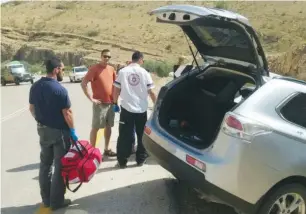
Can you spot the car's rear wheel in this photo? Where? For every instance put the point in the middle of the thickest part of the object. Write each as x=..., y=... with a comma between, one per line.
x=32, y=82
x=3, y=83
x=288, y=199
x=17, y=81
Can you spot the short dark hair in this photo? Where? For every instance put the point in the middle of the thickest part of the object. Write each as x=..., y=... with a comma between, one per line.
x=104, y=51
x=137, y=55
x=52, y=63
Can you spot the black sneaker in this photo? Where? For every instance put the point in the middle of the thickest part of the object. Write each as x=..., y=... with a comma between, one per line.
x=141, y=163
x=66, y=203
x=121, y=166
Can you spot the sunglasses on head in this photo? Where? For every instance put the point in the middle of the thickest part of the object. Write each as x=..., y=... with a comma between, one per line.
x=105, y=56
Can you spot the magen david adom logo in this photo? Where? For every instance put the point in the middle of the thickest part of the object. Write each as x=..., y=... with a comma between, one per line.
x=133, y=79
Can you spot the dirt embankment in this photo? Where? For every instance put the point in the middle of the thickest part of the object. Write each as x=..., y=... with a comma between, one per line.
x=291, y=63
x=34, y=47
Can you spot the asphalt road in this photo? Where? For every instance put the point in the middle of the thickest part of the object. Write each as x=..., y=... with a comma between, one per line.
x=131, y=190
x=149, y=189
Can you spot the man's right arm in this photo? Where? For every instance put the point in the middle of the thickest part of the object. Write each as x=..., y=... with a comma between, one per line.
x=85, y=88
x=88, y=77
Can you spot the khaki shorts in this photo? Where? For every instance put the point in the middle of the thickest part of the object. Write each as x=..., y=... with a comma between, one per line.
x=103, y=115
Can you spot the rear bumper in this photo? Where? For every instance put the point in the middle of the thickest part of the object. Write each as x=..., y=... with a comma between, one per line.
x=27, y=80
x=76, y=78
x=193, y=177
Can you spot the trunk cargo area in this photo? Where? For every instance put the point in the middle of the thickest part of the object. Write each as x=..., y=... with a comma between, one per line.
x=194, y=109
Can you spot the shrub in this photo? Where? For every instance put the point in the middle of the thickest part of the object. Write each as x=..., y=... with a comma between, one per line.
x=93, y=33
x=33, y=68
x=61, y=7
x=161, y=68
x=37, y=69
x=221, y=4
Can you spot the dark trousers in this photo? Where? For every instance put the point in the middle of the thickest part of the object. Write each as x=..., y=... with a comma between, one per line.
x=127, y=124
x=54, y=145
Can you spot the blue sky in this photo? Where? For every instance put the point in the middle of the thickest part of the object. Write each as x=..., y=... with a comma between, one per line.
x=3, y=1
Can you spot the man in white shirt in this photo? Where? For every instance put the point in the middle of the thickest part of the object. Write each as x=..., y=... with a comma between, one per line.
x=134, y=84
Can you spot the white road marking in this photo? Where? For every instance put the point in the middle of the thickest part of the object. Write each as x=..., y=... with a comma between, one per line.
x=14, y=114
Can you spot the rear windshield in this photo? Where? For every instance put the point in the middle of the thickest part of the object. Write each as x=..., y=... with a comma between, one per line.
x=81, y=69
x=221, y=37
x=224, y=41
x=16, y=66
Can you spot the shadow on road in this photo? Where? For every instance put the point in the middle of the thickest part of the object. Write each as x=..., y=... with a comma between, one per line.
x=24, y=168
x=71, y=83
x=13, y=84
x=137, y=199
x=188, y=201
x=150, y=161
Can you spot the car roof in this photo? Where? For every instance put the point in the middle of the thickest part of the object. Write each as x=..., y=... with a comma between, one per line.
x=83, y=66
x=291, y=79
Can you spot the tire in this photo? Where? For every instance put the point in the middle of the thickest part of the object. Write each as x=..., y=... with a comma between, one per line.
x=3, y=83
x=17, y=82
x=70, y=79
x=32, y=82
x=268, y=204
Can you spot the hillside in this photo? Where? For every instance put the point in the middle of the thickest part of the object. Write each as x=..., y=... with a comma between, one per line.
x=79, y=30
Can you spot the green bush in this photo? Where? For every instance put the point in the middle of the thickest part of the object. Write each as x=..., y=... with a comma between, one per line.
x=221, y=4
x=93, y=33
x=161, y=68
x=37, y=69
x=33, y=68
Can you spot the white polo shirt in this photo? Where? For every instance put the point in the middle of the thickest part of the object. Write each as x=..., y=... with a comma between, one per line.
x=134, y=82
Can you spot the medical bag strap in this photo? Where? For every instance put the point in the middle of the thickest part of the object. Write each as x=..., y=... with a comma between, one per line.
x=76, y=145
x=67, y=185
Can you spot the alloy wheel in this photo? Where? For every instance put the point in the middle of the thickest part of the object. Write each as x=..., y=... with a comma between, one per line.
x=290, y=203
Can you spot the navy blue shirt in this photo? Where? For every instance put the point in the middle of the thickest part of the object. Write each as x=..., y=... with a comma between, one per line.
x=49, y=97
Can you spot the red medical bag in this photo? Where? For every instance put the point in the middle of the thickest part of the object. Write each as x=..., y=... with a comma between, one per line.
x=80, y=163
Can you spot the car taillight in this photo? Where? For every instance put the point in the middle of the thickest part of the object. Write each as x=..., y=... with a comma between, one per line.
x=243, y=128
x=196, y=163
x=147, y=130
x=233, y=123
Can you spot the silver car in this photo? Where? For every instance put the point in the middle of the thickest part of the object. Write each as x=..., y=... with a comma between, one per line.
x=78, y=73
x=226, y=127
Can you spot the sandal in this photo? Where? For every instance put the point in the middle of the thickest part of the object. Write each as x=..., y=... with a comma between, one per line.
x=109, y=153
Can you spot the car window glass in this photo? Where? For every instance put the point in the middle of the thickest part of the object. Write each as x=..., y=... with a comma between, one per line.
x=214, y=36
x=80, y=69
x=295, y=110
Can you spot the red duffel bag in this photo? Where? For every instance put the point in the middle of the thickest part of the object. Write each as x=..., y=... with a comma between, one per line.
x=80, y=163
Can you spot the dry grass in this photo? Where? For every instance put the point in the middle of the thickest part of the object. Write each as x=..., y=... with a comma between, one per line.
x=127, y=24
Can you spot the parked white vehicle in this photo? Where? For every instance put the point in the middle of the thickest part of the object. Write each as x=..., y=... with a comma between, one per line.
x=77, y=73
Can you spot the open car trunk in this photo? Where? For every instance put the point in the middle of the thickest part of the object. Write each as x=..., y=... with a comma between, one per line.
x=194, y=108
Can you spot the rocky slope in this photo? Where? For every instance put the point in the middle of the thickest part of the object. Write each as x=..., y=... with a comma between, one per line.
x=77, y=31
x=291, y=63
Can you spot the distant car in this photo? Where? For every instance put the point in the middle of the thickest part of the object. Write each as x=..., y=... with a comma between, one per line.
x=77, y=73
x=227, y=127
x=15, y=72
